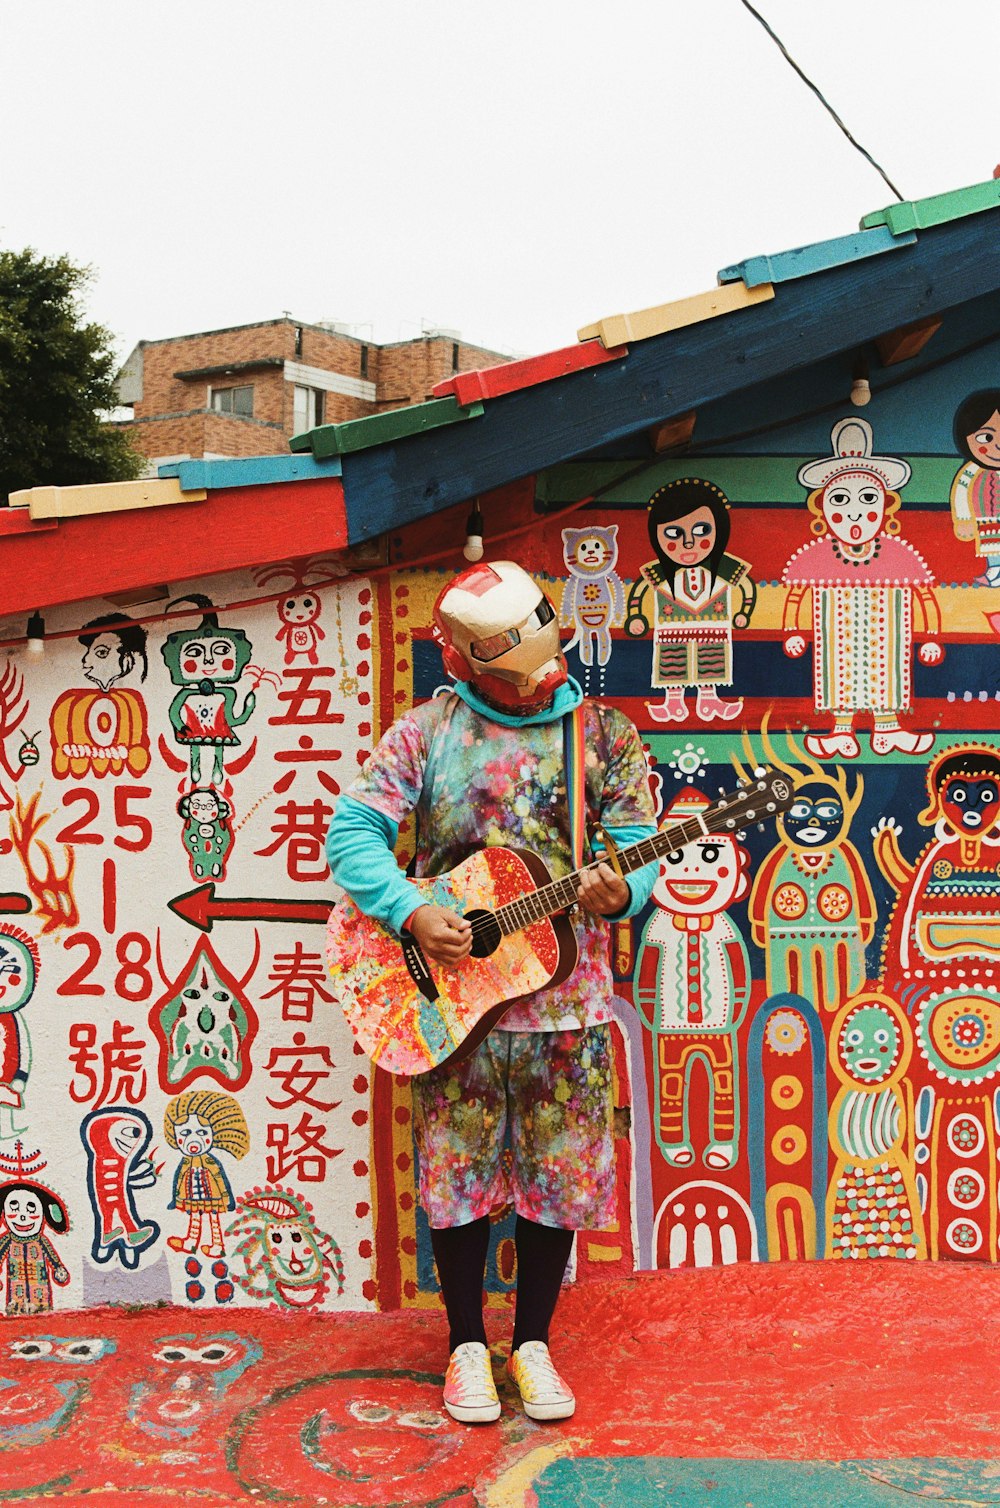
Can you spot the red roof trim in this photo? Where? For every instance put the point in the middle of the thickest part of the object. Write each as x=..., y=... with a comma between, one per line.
x=511, y=376
x=100, y=553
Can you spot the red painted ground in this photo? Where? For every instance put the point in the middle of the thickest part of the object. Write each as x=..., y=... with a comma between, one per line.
x=805, y=1362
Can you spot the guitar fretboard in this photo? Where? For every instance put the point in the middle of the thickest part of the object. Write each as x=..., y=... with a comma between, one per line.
x=746, y=805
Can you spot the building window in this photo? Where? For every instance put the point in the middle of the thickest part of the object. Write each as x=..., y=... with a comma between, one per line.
x=364, y=361
x=454, y=357
x=232, y=400
x=307, y=408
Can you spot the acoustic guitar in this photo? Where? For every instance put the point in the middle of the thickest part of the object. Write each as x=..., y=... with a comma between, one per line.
x=411, y=1014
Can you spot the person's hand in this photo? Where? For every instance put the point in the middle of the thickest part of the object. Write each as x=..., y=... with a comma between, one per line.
x=443, y=935
x=930, y=653
x=602, y=891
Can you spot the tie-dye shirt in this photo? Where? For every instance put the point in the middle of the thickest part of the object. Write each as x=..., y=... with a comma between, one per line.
x=473, y=782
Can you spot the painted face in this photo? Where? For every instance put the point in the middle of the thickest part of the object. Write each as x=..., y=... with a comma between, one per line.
x=126, y=1135
x=23, y=1213
x=17, y=973
x=209, y=659
x=194, y=1137
x=299, y=609
x=984, y=443
x=298, y=1261
x=816, y=819
x=869, y=1044
x=203, y=806
x=104, y=661
x=688, y=541
x=591, y=553
x=971, y=805
x=854, y=507
x=703, y=878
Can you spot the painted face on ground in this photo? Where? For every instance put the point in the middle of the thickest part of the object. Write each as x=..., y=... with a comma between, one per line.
x=869, y=1044
x=299, y=609
x=23, y=1213
x=854, y=507
x=984, y=443
x=816, y=819
x=971, y=805
x=104, y=661
x=194, y=1137
x=688, y=541
x=703, y=878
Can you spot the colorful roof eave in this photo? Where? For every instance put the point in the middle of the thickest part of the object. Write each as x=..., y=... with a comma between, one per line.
x=810, y=318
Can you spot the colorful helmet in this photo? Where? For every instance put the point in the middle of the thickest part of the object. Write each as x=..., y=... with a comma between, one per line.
x=499, y=630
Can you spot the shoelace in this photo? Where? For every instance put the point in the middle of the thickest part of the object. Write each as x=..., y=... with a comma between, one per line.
x=469, y=1373
x=541, y=1373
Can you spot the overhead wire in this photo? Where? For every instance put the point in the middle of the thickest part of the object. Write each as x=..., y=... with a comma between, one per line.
x=820, y=96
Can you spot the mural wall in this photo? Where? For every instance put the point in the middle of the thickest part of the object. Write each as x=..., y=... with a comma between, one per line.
x=807, y=1018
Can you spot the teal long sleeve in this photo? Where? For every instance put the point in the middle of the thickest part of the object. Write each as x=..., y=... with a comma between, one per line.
x=359, y=850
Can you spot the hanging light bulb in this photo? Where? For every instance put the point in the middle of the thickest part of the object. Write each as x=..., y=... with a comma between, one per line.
x=473, y=548
x=36, y=634
x=861, y=392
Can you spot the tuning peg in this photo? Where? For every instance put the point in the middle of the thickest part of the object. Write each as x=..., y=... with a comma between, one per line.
x=760, y=827
x=760, y=771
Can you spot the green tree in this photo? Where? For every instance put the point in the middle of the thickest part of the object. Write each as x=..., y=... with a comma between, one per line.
x=57, y=378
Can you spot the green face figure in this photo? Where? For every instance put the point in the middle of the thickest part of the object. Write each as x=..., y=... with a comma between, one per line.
x=869, y=1044
x=209, y=654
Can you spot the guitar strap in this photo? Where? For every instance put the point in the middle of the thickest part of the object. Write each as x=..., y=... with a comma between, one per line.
x=574, y=757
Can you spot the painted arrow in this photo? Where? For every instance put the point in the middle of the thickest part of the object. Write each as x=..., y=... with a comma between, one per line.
x=203, y=908
x=12, y=903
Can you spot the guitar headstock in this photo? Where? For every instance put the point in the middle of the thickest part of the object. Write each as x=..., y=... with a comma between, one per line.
x=765, y=794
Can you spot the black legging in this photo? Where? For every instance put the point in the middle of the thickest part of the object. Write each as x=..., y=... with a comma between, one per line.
x=460, y=1255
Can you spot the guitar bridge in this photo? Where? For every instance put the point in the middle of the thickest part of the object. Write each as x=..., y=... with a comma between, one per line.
x=416, y=965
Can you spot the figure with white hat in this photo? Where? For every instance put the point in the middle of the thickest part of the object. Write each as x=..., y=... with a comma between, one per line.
x=864, y=593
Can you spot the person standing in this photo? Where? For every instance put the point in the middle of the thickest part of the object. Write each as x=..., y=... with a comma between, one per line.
x=483, y=764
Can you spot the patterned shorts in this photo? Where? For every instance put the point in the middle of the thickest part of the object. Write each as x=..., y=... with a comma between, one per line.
x=548, y=1095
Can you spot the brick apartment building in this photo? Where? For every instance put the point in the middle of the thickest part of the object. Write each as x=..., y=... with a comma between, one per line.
x=244, y=391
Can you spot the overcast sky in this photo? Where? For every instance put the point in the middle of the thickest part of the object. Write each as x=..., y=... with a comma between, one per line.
x=512, y=169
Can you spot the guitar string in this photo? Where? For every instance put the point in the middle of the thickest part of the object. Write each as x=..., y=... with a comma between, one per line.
x=488, y=923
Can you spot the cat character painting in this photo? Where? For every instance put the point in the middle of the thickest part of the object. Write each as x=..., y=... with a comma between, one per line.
x=864, y=593
x=594, y=598
x=700, y=593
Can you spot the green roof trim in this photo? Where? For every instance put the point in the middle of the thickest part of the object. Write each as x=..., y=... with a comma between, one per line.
x=381, y=429
x=920, y=214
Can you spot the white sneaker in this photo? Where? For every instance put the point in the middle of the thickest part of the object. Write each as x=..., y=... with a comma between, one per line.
x=543, y=1392
x=470, y=1394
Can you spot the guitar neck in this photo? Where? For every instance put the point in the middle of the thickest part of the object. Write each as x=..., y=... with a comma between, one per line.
x=727, y=815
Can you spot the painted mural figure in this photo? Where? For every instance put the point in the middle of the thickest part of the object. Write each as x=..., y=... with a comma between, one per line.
x=18, y=973
x=103, y=731
x=206, y=663
x=873, y=1209
x=208, y=832
x=195, y=1124
x=115, y=1140
x=811, y=906
x=862, y=587
x=693, y=985
x=975, y=492
x=594, y=598
x=29, y=1262
x=699, y=595
x=300, y=628
x=286, y=1257
x=941, y=960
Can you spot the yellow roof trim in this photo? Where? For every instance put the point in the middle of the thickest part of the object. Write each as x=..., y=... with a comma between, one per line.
x=103, y=497
x=619, y=329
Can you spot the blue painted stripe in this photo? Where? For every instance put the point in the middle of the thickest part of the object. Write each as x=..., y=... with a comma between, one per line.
x=249, y=471
x=818, y=256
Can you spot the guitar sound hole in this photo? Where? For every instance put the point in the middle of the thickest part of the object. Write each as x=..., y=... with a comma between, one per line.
x=486, y=933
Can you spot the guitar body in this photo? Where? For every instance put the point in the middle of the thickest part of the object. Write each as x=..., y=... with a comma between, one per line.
x=397, y=1025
